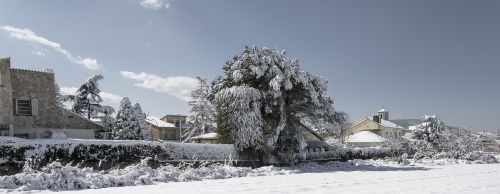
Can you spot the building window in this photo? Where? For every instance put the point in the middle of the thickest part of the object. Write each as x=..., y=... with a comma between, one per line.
x=23, y=107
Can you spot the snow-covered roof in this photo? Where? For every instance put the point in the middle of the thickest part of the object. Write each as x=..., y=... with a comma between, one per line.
x=157, y=122
x=388, y=124
x=382, y=110
x=364, y=136
x=413, y=128
x=206, y=136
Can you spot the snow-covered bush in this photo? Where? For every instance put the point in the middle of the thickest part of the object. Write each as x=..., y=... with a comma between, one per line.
x=434, y=140
x=287, y=95
x=59, y=177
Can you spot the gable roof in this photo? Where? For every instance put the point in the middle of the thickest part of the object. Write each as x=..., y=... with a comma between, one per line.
x=157, y=122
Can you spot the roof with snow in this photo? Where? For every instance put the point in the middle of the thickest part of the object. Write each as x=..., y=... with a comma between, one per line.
x=157, y=122
x=382, y=110
x=388, y=124
x=208, y=136
x=364, y=136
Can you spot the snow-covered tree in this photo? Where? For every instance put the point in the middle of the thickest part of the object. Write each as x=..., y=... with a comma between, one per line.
x=143, y=128
x=201, y=111
x=288, y=94
x=131, y=122
x=87, y=99
x=107, y=122
x=126, y=124
x=430, y=129
x=240, y=106
x=60, y=99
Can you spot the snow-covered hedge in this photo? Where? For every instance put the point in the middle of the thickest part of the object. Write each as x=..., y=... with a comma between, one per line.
x=57, y=176
x=103, y=154
x=346, y=153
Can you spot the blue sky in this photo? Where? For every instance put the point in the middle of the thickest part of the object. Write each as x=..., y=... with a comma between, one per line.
x=410, y=57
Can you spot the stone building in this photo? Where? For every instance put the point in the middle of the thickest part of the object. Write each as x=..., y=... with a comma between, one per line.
x=28, y=107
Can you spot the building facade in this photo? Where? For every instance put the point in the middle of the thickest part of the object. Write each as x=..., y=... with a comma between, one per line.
x=378, y=124
x=28, y=106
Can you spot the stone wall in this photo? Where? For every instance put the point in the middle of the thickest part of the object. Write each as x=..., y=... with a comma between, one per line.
x=28, y=85
x=6, y=111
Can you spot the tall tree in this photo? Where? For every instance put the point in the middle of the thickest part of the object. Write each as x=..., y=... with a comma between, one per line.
x=201, y=117
x=107, y=122
x=241, y=108
x=125, y=124
x=87, y=99
x=60, y=99
x=288, y=95
x=144, y=129
x=131, y=122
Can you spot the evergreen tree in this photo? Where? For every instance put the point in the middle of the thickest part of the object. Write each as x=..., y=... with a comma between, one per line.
x=144, y=130
x=126, y=124
x=201, y=111
x=60, y=99
x=241, y=106
x=107, y=123
x=87, y=99
x=288, y=95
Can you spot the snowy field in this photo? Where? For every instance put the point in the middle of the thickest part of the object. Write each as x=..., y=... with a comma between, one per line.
x=354, y=177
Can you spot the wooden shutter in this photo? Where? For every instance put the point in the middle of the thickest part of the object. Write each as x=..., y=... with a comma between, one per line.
x=34, y=107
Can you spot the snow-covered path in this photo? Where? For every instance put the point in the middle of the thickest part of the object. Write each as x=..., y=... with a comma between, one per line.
x=460, y=178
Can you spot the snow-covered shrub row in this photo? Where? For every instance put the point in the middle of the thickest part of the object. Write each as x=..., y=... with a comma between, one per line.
x=105, y=154
x=57, y=176
x=346, y=153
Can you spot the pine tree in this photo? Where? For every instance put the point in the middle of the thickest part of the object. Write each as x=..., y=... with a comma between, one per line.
x=144, y=130
x=87, y=99
x=107, y=123
x=126, y=123
x=60, y=99
x=288, y=95
x=201, y=117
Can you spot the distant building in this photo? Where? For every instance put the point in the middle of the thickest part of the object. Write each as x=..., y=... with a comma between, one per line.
x=168, y=128
x=378, y=124
x=28, y=106
x=208, y=138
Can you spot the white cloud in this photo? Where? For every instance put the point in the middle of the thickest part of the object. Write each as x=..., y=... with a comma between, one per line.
x=155, y=4
x=30, y=36
x=111, y=98
x=178, y=86
x=107, y=98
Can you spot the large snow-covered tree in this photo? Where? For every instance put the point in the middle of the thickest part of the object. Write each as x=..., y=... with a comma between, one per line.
x=131, y=123
x=144, y=128
x=241, y=108
x=201, y=117
x=288, y=95
x=87, y=99
x=125, y=124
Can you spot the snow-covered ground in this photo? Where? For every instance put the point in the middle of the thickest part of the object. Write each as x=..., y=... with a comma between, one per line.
x=339, y=177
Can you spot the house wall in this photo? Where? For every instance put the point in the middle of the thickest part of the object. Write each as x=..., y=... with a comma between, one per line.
x=365, y=125
x=28, y=85
x=6, y=111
